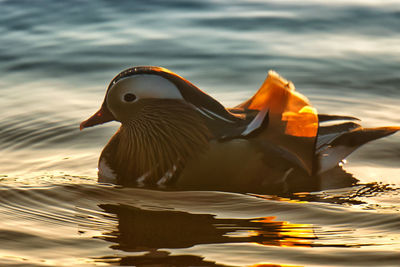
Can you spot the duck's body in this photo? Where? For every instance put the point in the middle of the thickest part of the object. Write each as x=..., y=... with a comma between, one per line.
x=175, y=135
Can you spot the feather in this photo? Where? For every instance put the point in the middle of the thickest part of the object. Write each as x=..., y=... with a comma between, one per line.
x=259, y=120
x=345, y=142
x=326, y=134
x=156, y=144
x=292, y=121
x=326, y=117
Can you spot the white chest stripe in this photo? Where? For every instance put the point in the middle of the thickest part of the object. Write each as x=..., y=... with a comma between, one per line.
x=105, y=173
x=167, y=177
x=141, y=181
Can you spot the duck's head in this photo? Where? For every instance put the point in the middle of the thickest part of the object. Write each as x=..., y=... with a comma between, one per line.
x=165, y=120
x=138, y=91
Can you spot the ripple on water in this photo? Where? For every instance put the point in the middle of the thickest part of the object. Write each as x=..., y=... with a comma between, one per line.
x=157, y=226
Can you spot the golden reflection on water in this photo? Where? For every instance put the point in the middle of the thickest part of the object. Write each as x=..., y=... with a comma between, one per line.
x=286, y=234
x=274, y=265
x=283, y=199
x=148, y=231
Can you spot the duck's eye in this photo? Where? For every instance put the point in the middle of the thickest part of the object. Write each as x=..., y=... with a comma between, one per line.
x=129, y=97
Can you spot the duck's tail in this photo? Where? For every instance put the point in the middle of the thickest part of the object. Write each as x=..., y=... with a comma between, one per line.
x=336, y=142
x=287, y=119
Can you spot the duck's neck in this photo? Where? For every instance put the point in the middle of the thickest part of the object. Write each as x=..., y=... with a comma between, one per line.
x=156, y=144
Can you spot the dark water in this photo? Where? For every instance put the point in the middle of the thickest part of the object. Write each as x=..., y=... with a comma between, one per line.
x=57, y=57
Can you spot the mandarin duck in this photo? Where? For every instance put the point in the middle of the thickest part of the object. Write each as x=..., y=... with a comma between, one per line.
x=174, y=135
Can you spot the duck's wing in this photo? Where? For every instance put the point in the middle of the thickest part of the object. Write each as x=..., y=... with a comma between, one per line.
x=335, y=142
x=284, y=118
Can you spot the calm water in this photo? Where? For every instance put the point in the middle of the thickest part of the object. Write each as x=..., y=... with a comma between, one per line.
x=56, y=59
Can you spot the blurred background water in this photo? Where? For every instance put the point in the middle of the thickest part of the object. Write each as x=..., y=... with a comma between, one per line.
x=56, y=60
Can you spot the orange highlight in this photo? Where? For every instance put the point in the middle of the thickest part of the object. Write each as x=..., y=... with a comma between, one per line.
x=288, y=109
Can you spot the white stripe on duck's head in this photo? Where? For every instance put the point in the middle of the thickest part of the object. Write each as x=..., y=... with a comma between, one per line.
x=135, y=88
x=125, y=96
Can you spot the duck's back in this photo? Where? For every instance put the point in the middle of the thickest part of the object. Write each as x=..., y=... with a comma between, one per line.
x=242, y=165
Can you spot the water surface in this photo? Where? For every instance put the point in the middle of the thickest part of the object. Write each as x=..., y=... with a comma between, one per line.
x=56, y=59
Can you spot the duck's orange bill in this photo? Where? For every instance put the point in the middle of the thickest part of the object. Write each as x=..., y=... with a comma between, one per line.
x=103, y=115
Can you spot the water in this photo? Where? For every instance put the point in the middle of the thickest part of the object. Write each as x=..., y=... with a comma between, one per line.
x=56, y=59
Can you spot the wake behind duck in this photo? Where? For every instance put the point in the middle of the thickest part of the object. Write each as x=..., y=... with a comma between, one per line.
x=174, y=135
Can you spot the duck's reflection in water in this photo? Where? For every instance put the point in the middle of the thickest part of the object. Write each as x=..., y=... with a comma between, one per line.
x=150, y=230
